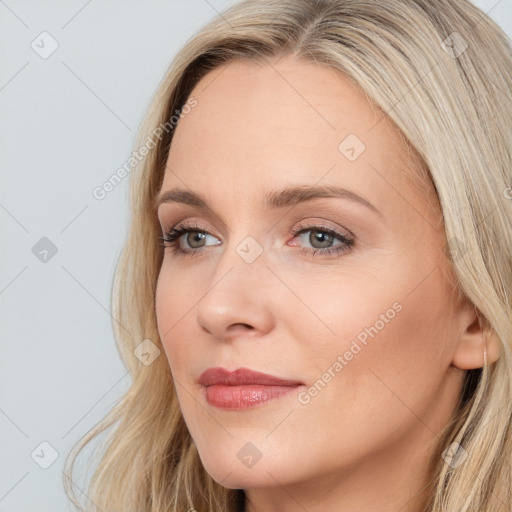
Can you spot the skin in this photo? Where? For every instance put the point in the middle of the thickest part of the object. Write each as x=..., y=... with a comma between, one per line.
x=373, y=427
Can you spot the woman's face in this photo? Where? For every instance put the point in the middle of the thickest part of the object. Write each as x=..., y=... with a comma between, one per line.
x=367, y=326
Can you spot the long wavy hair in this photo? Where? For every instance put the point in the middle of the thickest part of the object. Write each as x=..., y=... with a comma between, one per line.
x=442, y=71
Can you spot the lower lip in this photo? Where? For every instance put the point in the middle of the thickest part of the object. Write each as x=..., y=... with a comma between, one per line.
x=244, y=396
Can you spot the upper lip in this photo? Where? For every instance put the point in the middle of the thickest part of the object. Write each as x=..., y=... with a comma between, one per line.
x=242, y=376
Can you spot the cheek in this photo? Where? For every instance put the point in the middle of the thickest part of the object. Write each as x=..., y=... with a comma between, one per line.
x=174, y=315
x=388, y=357
x=336, y=314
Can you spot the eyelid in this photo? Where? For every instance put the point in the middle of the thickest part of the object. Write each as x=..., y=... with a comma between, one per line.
x=313, y=222
x=321, y=223
x=192, y=224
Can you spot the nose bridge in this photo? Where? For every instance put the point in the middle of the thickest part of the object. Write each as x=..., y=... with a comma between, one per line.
x=241, y=264
x=243, y=254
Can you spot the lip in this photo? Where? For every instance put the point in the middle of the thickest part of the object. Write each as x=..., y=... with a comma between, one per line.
x=242, y=376
x=243, y=388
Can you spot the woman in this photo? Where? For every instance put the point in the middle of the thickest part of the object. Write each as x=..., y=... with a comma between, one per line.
x=315, y=296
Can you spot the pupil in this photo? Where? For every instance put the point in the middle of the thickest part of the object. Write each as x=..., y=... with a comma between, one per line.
x=196, y=237
x=320, y=236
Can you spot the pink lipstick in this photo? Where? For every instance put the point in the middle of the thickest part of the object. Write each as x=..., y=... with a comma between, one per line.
x=243, y=388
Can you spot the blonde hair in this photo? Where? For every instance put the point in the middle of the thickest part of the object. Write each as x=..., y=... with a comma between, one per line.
x=449, y=101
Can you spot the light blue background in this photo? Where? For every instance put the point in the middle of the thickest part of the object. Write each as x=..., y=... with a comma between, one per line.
x=68, y=123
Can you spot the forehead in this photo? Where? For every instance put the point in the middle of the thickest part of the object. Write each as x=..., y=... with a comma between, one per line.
x=283, y=122
x=305, y=103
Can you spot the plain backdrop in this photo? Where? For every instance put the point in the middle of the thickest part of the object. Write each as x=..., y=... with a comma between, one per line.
x=75, y=81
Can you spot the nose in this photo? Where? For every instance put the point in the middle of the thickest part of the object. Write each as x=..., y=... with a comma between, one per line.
x=236, y=301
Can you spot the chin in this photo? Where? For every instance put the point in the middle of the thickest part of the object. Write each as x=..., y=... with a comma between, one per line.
x=228, y=470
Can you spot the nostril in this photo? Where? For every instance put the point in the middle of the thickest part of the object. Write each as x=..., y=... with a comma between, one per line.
x=235, y=327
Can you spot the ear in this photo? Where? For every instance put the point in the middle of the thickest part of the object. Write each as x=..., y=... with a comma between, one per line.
x=475, y=336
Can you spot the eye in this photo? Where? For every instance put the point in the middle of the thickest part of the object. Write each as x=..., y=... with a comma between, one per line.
x=193, y=235
x=322, y=238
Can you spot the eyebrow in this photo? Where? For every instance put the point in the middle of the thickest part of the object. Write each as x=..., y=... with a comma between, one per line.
x=273, y=199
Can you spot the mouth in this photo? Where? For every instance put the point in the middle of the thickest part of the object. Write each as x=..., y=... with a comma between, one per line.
x=243, y=388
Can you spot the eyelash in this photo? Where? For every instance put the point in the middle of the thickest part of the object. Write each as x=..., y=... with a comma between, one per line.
x=172, y=239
